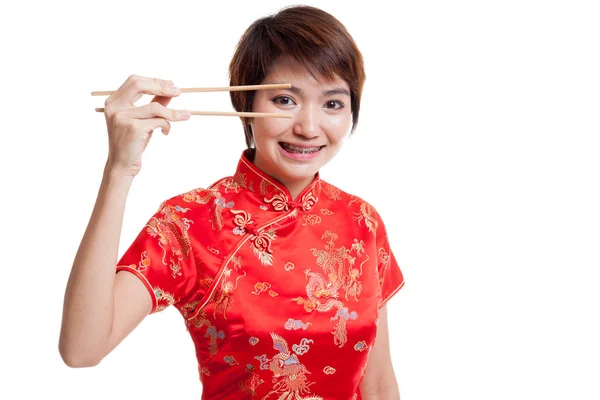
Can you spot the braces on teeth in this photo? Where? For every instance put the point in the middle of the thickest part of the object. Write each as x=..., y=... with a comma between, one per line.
x=302, y=150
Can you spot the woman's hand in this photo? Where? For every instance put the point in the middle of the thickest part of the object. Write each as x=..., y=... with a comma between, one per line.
x=130, y=128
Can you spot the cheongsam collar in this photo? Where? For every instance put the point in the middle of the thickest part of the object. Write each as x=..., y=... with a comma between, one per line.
x=273, y=194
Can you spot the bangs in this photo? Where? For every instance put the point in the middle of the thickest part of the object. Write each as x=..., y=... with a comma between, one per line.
x=319, y=47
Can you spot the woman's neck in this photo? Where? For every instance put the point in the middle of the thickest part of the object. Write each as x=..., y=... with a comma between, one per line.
x=295, y=187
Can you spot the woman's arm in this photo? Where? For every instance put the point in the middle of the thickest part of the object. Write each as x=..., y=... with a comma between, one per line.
x=101, y=307
x=379, y=382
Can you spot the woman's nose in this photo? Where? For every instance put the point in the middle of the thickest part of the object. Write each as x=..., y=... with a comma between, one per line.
x=307, y=121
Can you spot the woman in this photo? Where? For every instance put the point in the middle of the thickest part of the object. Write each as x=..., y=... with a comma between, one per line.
x=281, y=278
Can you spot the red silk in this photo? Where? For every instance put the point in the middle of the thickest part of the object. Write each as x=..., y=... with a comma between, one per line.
x=281, y=297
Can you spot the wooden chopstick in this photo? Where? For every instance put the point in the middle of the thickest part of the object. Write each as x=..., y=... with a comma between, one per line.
x=233, y=114
x=223, y=89
x=215, y=89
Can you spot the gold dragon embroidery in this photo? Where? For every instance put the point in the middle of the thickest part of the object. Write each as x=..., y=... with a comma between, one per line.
x=338, y=274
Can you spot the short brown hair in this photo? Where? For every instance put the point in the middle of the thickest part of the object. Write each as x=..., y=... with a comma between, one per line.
x=312, y=37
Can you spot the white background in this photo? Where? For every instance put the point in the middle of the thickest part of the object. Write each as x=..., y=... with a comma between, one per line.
x=478, y=143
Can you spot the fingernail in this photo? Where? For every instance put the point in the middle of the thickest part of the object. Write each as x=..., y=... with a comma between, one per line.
x=184, y=114
x=173, y=90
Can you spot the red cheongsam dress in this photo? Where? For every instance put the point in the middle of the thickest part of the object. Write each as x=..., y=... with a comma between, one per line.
x=281, y=297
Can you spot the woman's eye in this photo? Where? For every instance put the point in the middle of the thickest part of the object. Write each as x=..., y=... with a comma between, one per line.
x=331, y=104
x=283, y=100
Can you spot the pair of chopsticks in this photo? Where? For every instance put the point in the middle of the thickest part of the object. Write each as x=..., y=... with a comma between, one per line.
x=223, y=89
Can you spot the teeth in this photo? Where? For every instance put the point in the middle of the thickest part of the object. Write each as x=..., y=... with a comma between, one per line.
x=302, y=150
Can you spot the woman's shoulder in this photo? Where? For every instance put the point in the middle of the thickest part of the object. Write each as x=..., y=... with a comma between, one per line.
x=199, y=198
x=356, y=206
x=334, y=193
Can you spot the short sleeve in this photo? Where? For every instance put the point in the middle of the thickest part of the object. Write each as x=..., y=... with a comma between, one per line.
x=161, y=256
x=391, y=279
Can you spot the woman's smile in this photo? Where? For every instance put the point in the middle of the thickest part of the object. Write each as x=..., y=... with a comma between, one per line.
x=299, y=152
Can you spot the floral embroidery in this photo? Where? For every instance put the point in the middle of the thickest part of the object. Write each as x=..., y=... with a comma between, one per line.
x=280, y=202
x=241, y=220
x=325, y=211
x=310, y=199
x=273, y=293
x=253, y=341
x=262, y=246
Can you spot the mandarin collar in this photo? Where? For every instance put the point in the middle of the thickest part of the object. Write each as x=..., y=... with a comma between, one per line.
x=273, y=194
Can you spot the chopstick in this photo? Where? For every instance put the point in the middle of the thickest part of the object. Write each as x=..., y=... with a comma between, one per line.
x=223, y=89
x=215, y=89
x=233, y=114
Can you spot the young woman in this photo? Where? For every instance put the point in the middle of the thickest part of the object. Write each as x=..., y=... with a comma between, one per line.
x=281, y=277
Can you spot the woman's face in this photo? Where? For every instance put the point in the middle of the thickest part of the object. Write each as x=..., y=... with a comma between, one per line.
x=293, y=150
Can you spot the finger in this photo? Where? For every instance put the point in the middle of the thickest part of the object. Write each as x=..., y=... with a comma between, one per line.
x=164, y=100
x=156, y=109
x=150, y=124
x=119, y=91
x=138, y=86
x=131, y=80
